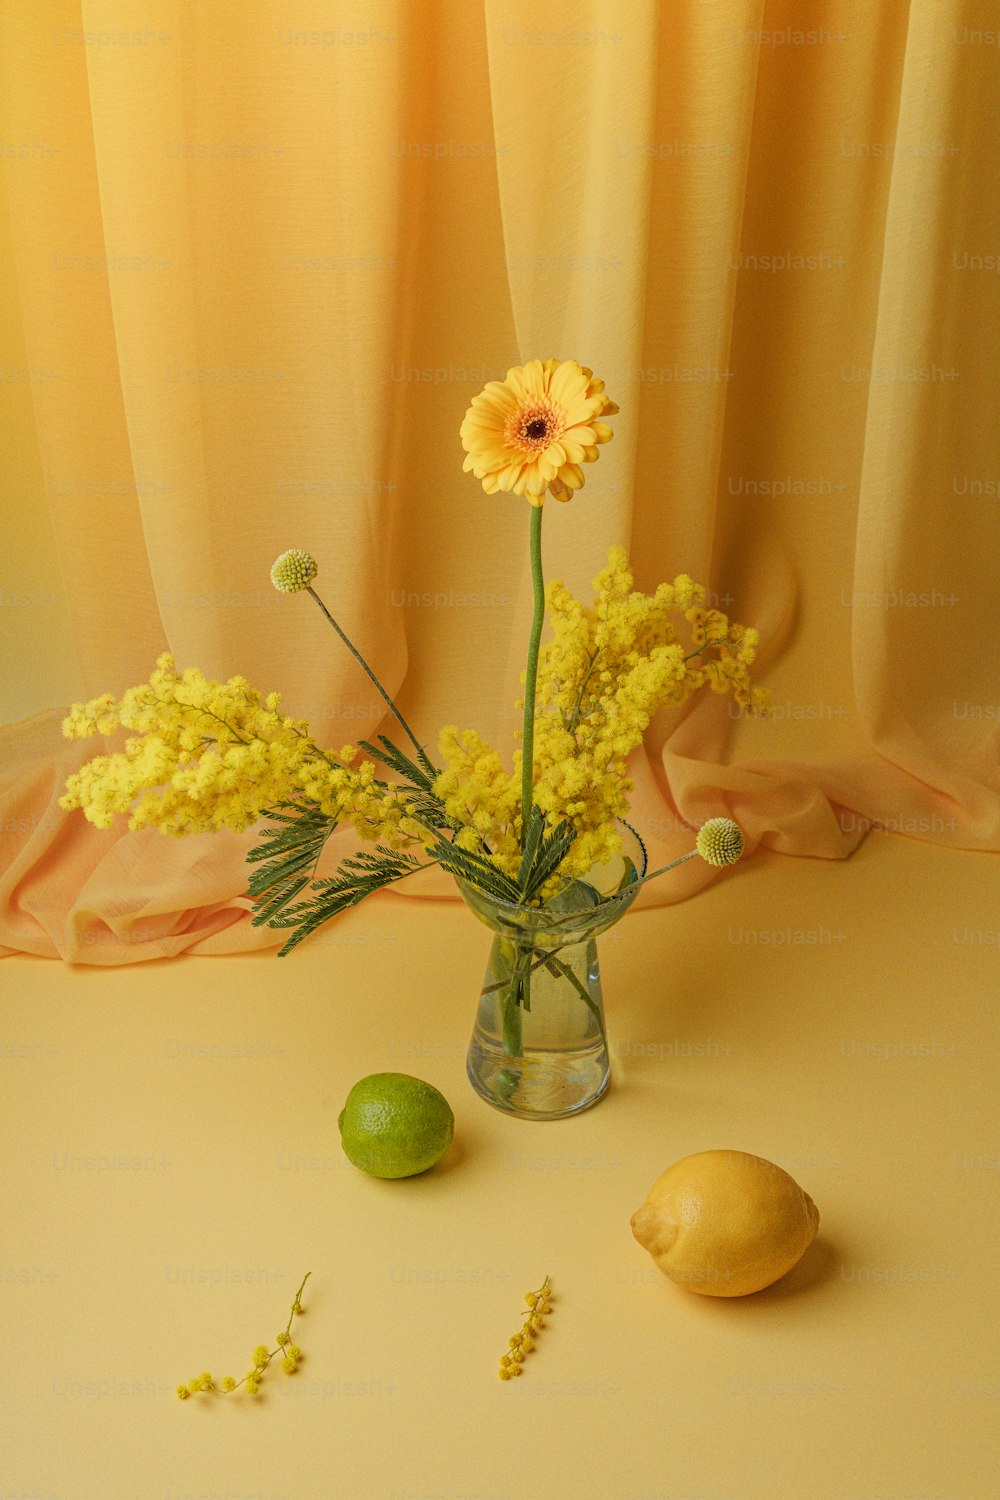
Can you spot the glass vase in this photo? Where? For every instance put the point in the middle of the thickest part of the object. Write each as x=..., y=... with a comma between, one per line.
x=539, y=1048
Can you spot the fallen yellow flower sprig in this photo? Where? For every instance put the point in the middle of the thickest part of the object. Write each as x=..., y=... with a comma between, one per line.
x=522, y=1343
x=262, y=1357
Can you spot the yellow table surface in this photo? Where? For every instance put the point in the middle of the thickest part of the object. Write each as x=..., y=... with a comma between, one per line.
x=171, y=1168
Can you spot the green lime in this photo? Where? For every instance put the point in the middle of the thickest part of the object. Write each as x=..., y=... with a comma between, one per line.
x=395, y=1126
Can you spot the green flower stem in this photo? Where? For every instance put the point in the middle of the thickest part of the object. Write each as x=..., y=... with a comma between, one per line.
x=539, y=963
x=513, y=1037
x=723, y=641
x=574, y=717
x=531, y=674
x=524, y=977
x=609, y=901
x=560, y=967
x=509, y=1000
x=663, y=869
x=518, y=980
x=370, y=674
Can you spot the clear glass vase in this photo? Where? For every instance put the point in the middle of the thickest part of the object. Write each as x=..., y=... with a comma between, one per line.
x=539, y=1048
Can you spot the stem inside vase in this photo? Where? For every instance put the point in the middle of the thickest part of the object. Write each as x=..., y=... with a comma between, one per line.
x=539, y=1046
x=514, y=995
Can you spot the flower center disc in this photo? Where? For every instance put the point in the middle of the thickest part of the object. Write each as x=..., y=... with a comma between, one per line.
x=534, y=428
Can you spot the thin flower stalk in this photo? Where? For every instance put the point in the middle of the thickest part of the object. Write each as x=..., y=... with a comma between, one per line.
x=531, y=672
x=262, y=1356
x=522, y=1342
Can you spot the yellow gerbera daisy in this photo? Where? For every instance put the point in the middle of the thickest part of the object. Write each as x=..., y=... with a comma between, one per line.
x=531, y=432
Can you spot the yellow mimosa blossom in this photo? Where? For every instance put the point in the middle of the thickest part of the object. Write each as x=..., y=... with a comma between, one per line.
x=531, y=431
x=604, y=674
x=479, y=794
x=206, y=755
x=523, y=1341
x=203, y=755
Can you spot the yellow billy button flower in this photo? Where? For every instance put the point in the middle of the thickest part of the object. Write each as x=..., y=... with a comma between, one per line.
x=720, y=841
x=532, y=431
x=522, y=1343
x=293, y=571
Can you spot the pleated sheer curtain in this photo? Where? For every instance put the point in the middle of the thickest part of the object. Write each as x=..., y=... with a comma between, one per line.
x=262, y=256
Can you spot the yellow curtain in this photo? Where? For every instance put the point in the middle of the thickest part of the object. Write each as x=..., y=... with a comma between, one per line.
x=262, y=256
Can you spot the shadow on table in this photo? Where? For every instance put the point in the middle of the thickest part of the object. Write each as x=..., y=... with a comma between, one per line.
x=819, y=1265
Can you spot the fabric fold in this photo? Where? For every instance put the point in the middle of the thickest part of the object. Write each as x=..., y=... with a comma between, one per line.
x=263, y=264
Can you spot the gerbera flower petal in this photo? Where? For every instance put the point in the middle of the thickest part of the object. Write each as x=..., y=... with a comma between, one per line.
x=568, y=383
x=572, y=476
x=498, y=391
x=525, y=380
x=508, y=478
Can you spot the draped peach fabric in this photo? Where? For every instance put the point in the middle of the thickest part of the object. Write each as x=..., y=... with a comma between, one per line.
x=260, y=259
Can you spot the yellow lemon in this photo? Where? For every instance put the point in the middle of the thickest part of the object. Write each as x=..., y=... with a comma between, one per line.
x=725, y=1223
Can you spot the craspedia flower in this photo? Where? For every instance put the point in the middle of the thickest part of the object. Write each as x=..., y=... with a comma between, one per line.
x=720, y=841
x=531, y=432
x=293, y=571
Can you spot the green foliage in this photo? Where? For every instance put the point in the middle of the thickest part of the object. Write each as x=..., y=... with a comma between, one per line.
x=419, y=773
x=418, y=779
x=542, y=855
x=288, y=853
x=287, y=857
x=477, y=869
x=360, y=876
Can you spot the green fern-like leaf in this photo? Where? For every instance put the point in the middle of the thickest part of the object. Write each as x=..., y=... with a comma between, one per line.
x=532, y=838
x=418, y=781
x=286, y=857
x=477, y=869
x=420, y=772
x=550, y=851
x=356, y=878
